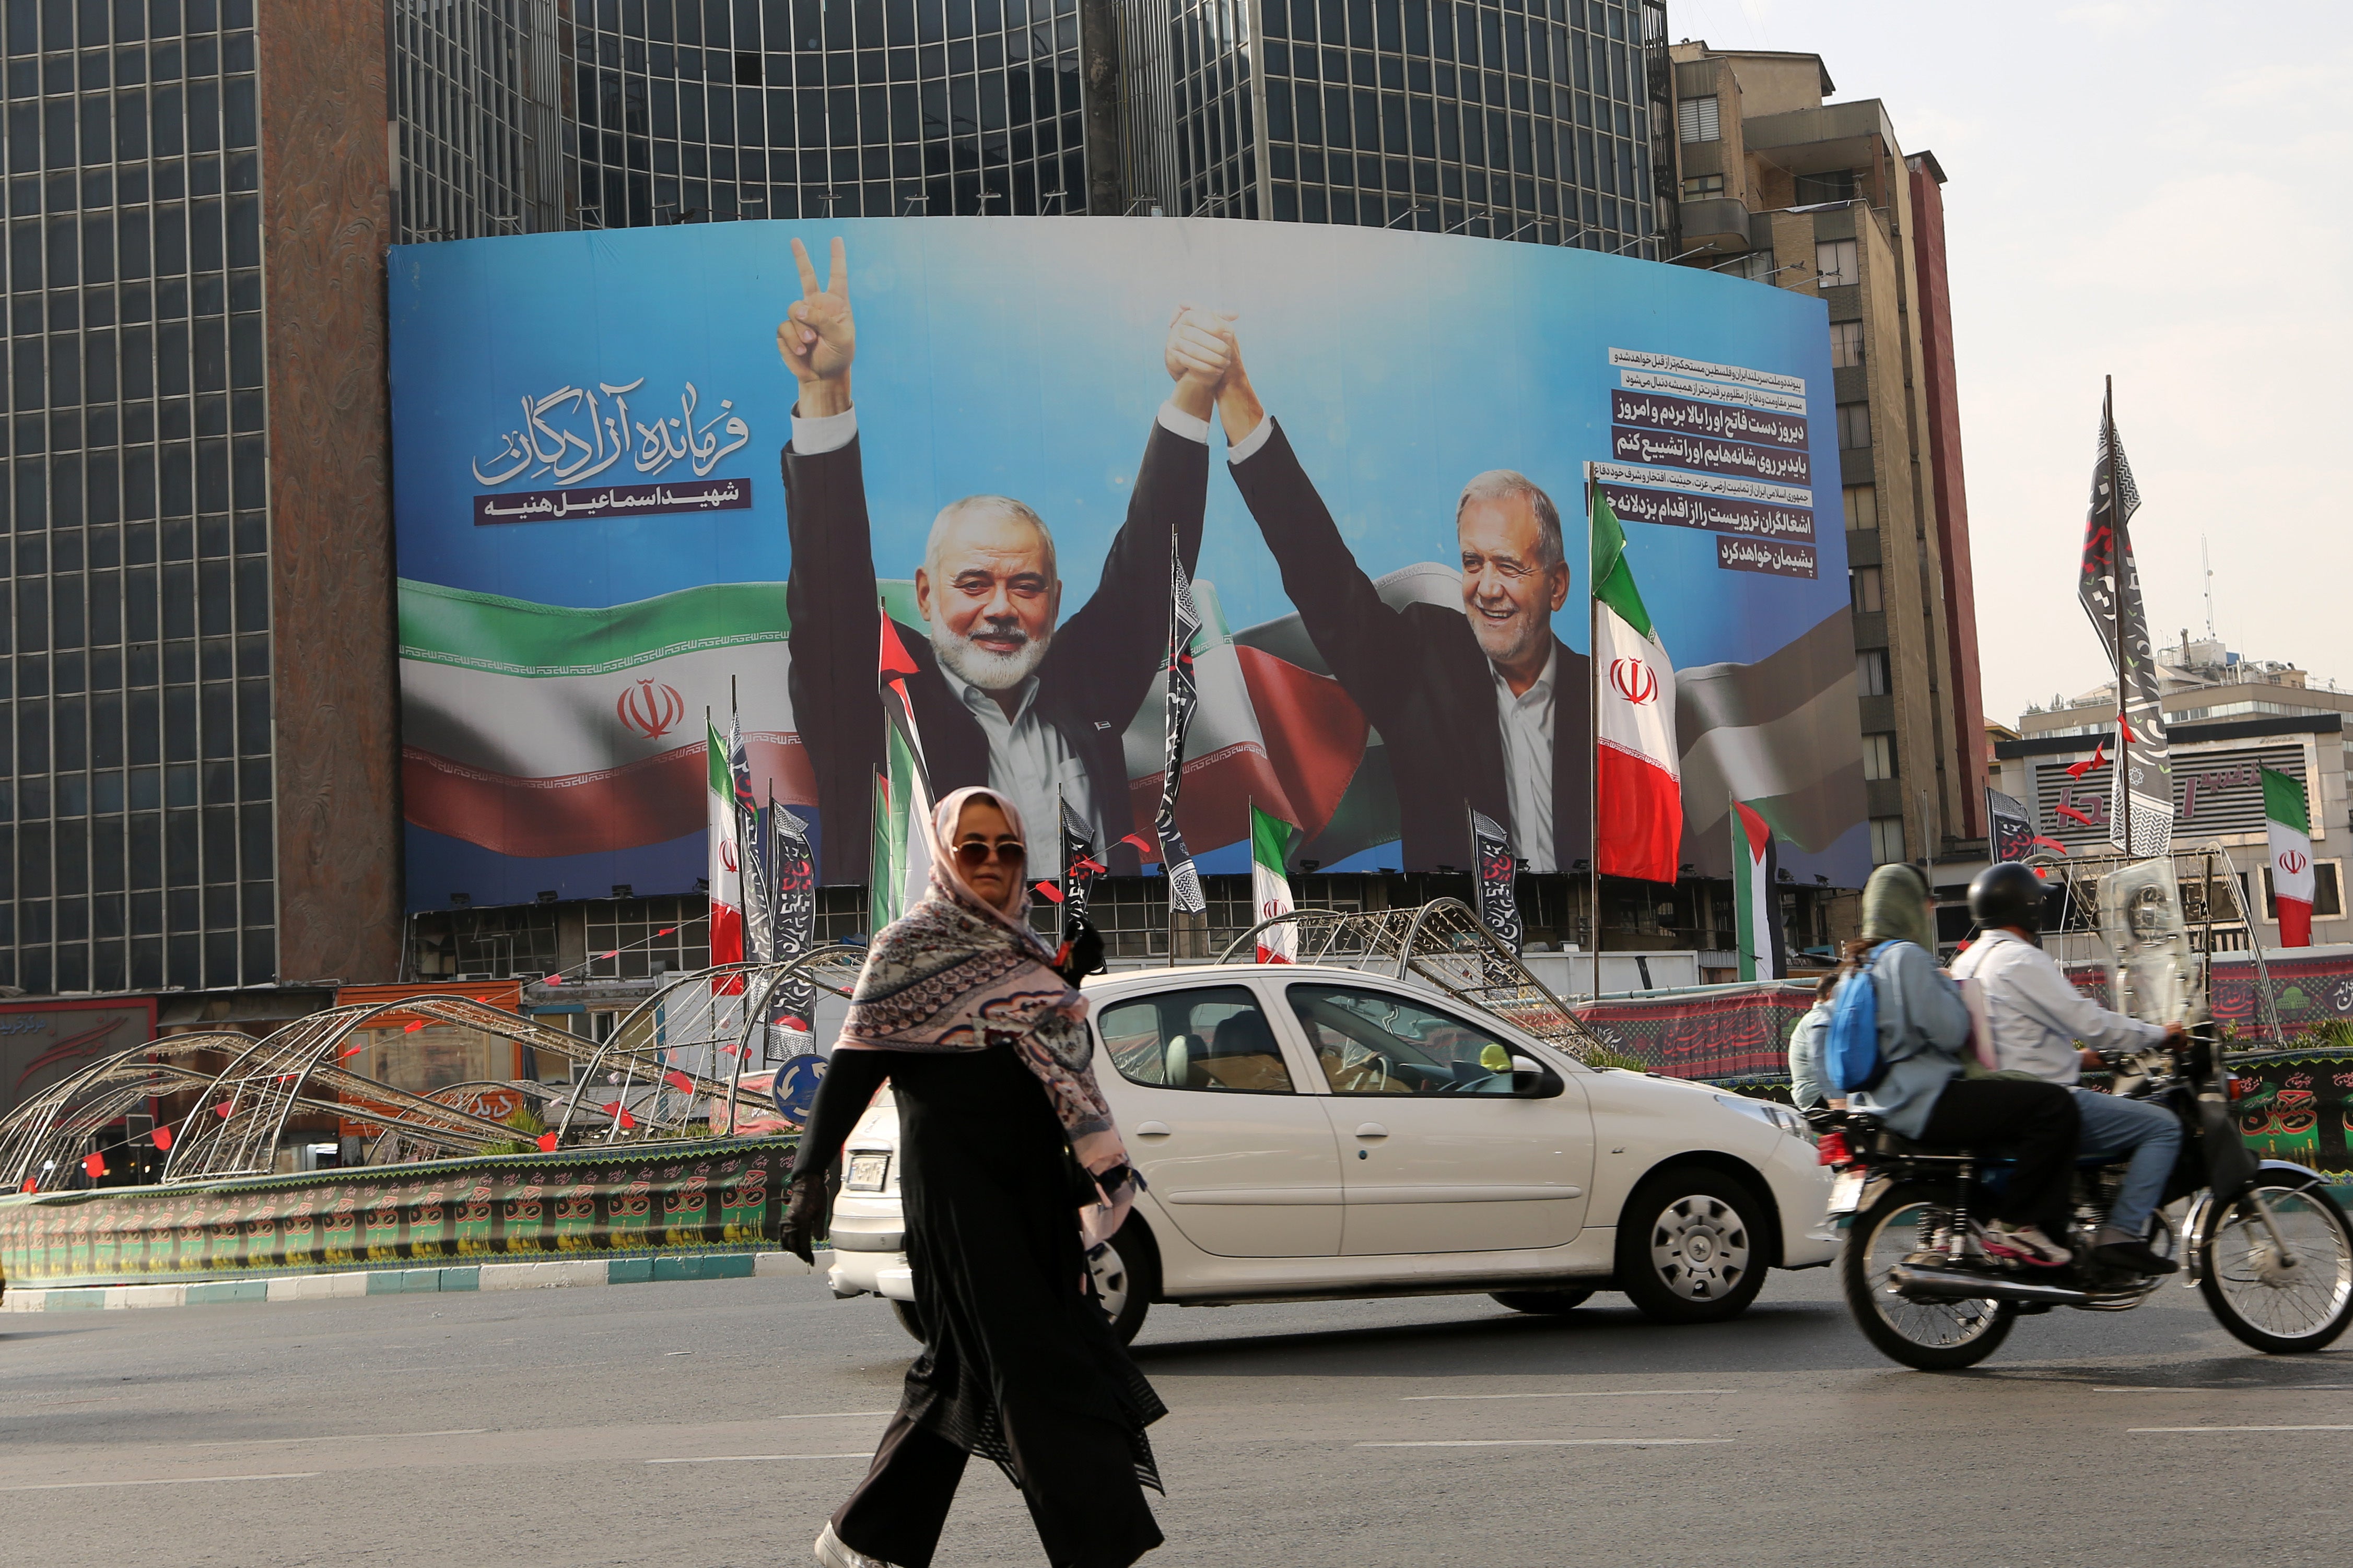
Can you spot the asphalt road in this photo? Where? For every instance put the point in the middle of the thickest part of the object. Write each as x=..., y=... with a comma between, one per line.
x=717, y=1423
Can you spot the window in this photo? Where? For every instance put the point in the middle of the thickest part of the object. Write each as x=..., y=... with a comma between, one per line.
x=1213, y=1037
x=1703, y=187
x=1853, y=426
x=1861, y=508
x=1370, y=1042
x=1878, y=756
x=1887, y=840
x=2328, y=898
x=1870, y=672
x=1835, y=260
x=1863, y=585
x=1846, y=344
x=1699, y=118
x=1829, y=185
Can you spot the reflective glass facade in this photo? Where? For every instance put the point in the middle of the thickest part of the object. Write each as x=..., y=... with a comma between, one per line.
x=136, y=823
x=477, y=124
x=695, y=110
x=1525, y=119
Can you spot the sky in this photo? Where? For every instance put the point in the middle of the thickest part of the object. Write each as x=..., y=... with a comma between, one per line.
x=2151, y=191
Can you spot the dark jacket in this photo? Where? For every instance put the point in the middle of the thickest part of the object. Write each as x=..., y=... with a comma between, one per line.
x=1093, y=679
x=1419, y=676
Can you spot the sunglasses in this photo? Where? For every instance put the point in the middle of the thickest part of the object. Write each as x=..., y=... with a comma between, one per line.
x=975, y=853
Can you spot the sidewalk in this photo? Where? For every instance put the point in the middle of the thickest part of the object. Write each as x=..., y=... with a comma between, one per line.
x=542, y=1275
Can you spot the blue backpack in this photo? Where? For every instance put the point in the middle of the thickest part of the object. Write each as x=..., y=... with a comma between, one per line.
x=1851, y=1055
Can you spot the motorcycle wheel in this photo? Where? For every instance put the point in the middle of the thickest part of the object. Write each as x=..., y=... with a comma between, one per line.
x=1933, y=1336
x=2281, y=1313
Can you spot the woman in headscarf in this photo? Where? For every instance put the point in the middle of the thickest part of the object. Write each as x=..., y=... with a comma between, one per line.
x=1920, y=1090
x=1007, y=1153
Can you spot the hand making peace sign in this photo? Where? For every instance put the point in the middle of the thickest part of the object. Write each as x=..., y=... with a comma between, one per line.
x=818, y=338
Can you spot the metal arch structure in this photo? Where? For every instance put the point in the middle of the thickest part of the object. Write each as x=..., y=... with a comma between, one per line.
x=669, y=1057
x=1444, y=943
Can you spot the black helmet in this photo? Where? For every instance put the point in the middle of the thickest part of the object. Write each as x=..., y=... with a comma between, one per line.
x=2007, y=894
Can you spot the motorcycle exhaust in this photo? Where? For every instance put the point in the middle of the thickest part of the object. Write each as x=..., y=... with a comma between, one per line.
x=1950, y=1285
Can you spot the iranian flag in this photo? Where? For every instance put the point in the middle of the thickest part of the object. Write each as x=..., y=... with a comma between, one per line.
x=1752, y=895
x=1637, y=771
x=726, y=859
x=1269, y=889
x=2291, y=847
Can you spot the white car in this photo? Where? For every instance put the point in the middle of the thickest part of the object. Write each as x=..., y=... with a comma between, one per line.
x=1312, y=1132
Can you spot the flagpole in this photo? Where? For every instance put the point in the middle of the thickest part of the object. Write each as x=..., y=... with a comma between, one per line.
x=2116, y=580
x=1593, y=735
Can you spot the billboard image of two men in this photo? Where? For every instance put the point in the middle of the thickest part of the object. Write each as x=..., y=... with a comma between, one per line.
x=592, y=550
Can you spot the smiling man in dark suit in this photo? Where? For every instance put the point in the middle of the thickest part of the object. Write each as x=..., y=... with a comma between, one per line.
x=1485, y=705
x=1006, y=692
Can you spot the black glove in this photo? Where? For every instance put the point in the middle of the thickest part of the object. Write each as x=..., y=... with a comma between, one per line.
x=803, y=1216
x=1082, y=950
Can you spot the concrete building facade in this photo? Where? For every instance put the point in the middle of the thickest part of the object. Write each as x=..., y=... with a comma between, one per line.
x=1780, y=185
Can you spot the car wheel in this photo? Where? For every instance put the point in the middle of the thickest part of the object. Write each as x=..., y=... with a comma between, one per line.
x=1692, y=1246
x=1541, y=1302
x=1126, y=1276
x=911, y=1318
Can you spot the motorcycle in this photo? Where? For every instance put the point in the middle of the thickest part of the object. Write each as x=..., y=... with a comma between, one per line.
x=2262, y=1239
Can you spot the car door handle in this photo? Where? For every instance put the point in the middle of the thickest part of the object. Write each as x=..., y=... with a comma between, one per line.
x=1372, y=1129
x=1153, y=1129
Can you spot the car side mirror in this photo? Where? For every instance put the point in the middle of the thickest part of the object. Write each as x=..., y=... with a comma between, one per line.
x=1531, y=1079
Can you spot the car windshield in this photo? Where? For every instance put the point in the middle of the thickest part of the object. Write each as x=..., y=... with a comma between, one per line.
x=1371, y=1042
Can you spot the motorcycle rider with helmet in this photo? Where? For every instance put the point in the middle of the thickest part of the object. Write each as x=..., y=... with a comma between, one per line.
x=2043, y=1027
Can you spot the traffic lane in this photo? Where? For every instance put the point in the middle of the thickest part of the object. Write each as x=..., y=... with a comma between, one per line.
x=1788, y=1420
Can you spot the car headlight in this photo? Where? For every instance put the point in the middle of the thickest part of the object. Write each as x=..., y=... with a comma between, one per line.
x=1776, y=1115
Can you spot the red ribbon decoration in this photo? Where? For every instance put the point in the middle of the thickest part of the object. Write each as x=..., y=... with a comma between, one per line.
x=554, y=979
x=95, y=1164
x=412, y=1028
x=1047, y=890
x=2099, y=755
x=162, y=1135
x=30, y=1185
x=678, y=1081
x=620, y=1113
x=224, y=1109
x=547, y=1142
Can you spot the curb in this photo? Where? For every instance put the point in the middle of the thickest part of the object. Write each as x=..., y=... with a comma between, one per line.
x=539, y=1276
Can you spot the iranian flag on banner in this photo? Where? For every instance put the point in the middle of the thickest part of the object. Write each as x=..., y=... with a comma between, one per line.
x=1637, y=772
x=1269, y=889
x=2291, y=847
x=726, y=862
x=1754, y=864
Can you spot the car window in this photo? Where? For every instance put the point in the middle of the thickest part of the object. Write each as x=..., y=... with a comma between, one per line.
x=1205, y=1036
x=1372, y=1042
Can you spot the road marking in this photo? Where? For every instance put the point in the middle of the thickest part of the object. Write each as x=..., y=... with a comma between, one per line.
x=165, y=1481
x=2222, y=1388
x=1552, y=1443
x=833, y=1414
x=756, y=1458
x=2239, y=1428
x=1578, y=1394
x=346, y=1438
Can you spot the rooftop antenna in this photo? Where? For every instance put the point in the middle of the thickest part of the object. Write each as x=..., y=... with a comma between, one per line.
x=2208, y=567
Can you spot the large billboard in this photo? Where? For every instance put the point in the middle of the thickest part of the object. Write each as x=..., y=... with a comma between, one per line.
x=645, y=475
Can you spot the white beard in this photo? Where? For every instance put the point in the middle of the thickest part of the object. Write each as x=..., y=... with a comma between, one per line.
x=975, y=665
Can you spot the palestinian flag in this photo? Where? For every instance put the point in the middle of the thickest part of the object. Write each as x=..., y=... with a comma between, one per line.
x=900, y=867
x=1270, y=888
x=1637, y=769
x=2290, y=871
x=726, y=878
x=1762, y=953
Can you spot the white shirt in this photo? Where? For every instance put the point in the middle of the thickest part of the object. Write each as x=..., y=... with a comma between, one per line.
x=1526, y=722
x=2036, y=1018
x=1031, y=766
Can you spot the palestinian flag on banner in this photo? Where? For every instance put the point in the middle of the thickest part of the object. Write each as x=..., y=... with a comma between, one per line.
x=1270, y=888
x=726, y=879
x=901, y=868
x=1754, y=864
x=1638, y=769
x=2290, y=872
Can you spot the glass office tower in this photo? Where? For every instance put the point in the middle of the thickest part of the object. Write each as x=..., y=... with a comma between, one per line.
x=137, y=810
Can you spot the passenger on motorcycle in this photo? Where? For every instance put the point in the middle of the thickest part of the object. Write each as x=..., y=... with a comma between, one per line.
x=1923, y=1033
x=1810, y=1081
x=2038, y=1021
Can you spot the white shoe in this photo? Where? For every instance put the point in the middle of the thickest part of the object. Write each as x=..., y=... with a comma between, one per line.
x=834, y=1554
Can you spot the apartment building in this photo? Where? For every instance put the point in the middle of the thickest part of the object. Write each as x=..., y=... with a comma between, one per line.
x=1778, y=184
